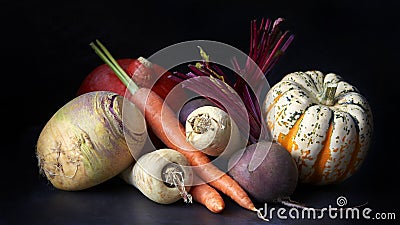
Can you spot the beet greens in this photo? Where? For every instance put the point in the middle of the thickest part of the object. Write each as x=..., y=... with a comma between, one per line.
x=267, y=44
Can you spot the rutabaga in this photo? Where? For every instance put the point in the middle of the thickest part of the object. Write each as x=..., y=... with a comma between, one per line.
x=85, y=141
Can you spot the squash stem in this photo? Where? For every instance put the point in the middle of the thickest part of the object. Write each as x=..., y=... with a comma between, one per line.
x=328, y=97
x=105, y=55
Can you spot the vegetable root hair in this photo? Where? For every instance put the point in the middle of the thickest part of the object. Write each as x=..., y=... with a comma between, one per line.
x=56, y=168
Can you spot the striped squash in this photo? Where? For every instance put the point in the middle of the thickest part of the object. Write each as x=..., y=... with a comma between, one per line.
x=323, y=121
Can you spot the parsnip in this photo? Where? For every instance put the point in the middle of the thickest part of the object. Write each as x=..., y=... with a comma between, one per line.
x=211, y=130
x=164, y=176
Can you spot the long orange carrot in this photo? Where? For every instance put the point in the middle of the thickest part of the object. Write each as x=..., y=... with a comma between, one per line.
x=167, y=127
x=208, y=196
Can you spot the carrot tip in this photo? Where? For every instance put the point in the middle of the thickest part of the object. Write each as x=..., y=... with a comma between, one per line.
x=216, y=211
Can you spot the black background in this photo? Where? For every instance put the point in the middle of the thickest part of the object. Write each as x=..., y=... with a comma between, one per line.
x=45, y=55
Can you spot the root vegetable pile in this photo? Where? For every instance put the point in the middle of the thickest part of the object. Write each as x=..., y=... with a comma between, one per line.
x=167, y=127
x=207, y=147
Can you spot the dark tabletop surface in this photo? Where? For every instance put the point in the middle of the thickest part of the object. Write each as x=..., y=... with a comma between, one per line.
x=46, y=55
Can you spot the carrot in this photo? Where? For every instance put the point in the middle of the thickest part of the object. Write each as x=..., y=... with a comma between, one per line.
x=164, y=85
x=168, y=128
x=208, y=196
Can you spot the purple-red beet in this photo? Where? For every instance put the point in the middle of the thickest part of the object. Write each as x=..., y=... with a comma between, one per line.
x=274, y=179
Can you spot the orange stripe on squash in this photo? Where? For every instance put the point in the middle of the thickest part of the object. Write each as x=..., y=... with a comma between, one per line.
x=273, y=103
x=287, y=141
x=271, y=124
x=323, y=157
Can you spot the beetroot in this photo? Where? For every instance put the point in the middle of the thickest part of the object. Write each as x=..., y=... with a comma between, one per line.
x=274, y=179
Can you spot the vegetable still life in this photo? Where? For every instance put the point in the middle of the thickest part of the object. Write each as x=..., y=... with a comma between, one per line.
x=237, y=138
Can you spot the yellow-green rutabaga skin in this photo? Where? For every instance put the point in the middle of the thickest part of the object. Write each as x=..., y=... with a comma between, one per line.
x=85, y=141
